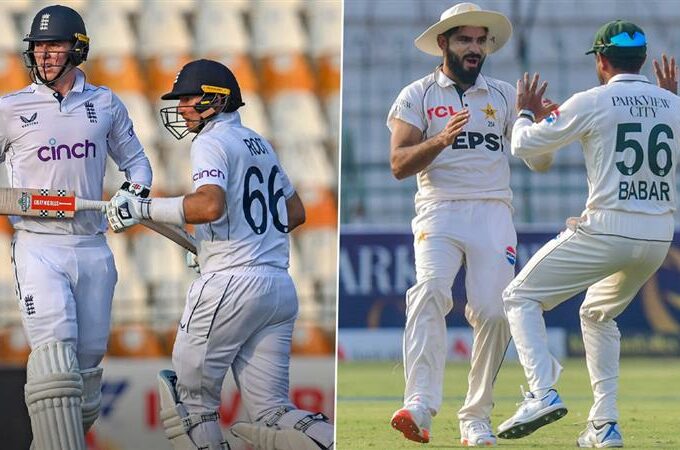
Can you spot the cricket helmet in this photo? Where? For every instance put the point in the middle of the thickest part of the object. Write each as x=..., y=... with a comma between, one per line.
x=57, y=23
x=216, y=85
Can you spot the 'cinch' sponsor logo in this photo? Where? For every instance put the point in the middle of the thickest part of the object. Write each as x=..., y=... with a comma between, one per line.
x=209, y=173
x=57, y=152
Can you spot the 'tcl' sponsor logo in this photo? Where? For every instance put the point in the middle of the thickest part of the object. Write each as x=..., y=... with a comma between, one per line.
x=440, y=111
x=56, y=152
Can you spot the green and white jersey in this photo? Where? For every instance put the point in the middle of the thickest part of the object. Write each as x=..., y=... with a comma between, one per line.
x=629, y=130
x=253, y=231
x=476, y=165
x=50, y=142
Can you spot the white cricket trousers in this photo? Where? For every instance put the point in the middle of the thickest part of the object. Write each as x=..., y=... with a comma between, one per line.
x=241, y=319
x=65, y=285
x=446, y=235
x=612, y=269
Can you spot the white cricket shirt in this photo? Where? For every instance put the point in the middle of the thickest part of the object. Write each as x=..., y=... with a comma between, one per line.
x=253, y=229
x=629, y=130
x=50, y=144
x=476, y=165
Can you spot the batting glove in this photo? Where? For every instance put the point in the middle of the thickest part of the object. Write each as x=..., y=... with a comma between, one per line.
x=125, y=210
x=136, y=189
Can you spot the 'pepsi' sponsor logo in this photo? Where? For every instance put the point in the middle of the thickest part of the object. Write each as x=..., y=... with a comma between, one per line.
x=209, y=173
x=511, y=255
x=57, y=152
x=471, y=140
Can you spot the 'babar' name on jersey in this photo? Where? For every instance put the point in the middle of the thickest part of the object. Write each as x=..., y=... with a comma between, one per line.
x=253, y=229
x=476, y=165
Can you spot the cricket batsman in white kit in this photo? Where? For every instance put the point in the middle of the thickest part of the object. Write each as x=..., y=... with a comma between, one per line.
x=629, y=130
x=452, y=129
x=56, y=134
x=241, y=310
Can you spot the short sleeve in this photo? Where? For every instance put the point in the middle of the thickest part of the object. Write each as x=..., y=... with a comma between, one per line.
x=209, y=163
x=408, y=107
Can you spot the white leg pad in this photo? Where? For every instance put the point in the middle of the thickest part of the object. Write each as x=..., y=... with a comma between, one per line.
x=177, y=422
x=284, y=429
x=53, y=392
x=92, y=396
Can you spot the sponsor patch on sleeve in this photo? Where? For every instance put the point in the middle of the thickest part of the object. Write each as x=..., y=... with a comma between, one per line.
x=553, y=116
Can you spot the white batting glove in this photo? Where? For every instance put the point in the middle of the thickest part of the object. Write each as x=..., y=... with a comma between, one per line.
x=192, y=262
x=125, y=210
x=136, y=189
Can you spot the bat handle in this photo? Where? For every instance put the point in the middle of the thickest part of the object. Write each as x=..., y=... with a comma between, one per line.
x=90, y=205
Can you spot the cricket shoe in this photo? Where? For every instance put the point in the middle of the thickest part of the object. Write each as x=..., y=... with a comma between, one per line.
x=532, y=414
x=414, y=423
x=604, y=436
x=476, y=433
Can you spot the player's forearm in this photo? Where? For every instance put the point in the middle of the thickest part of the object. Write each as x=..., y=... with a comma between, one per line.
x=138, y=170
x=203, y=207
x=296, y=212
x=409, y=160
x=527, y=143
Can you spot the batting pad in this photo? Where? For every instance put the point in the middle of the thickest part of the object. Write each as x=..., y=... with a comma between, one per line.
x=263, y=437
x=53, y=394
x=92, y=396
x=285, y=429
x=177, y=422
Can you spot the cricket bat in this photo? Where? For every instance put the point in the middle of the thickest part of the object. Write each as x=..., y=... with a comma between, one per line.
x=62, y=204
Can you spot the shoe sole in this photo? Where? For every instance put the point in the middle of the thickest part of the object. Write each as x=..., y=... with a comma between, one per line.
x=525, y=429
x=608, y=444
x=403, y=421
x=467, y=443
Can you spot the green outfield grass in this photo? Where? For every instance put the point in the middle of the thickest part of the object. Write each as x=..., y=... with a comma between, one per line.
x=649, y=403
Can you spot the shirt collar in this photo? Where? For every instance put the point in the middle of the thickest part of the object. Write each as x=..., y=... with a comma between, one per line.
x=628, y=77
x=78, y=84
x=230, y=118
x=444, y=81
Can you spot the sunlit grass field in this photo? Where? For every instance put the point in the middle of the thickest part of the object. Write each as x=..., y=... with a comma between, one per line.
x=649, y=404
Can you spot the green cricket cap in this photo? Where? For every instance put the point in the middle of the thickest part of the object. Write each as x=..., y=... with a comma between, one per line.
x=620, y=38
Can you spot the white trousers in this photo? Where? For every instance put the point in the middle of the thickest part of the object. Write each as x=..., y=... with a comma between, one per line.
x=477, y=234
x=65, y=284
x=243, y=320
x=612, y=269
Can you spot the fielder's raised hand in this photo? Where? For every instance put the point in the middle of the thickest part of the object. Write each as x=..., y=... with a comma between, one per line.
x=666, y=73
x=453, y=127
x=530, y=95
x=125, y=209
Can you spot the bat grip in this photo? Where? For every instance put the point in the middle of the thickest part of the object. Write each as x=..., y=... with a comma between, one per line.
x=90, y=205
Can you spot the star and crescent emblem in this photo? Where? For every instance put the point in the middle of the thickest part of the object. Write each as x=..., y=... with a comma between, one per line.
x=489, y=112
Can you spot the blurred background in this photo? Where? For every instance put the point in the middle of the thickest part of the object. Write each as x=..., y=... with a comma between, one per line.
x=376, y=244
x=286, y=57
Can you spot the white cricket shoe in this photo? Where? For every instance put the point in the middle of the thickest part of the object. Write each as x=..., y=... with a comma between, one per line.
x=604, y=436
x=532, y=414
x=476, y=433
x=414, y=423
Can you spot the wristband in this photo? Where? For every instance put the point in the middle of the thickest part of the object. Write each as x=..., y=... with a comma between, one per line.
x=529, y=114
x=167, y=210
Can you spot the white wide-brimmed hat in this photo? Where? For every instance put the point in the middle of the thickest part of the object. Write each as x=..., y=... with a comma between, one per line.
x=470, y=15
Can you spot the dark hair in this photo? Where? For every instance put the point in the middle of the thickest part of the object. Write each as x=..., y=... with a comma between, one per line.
x=626, y=63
